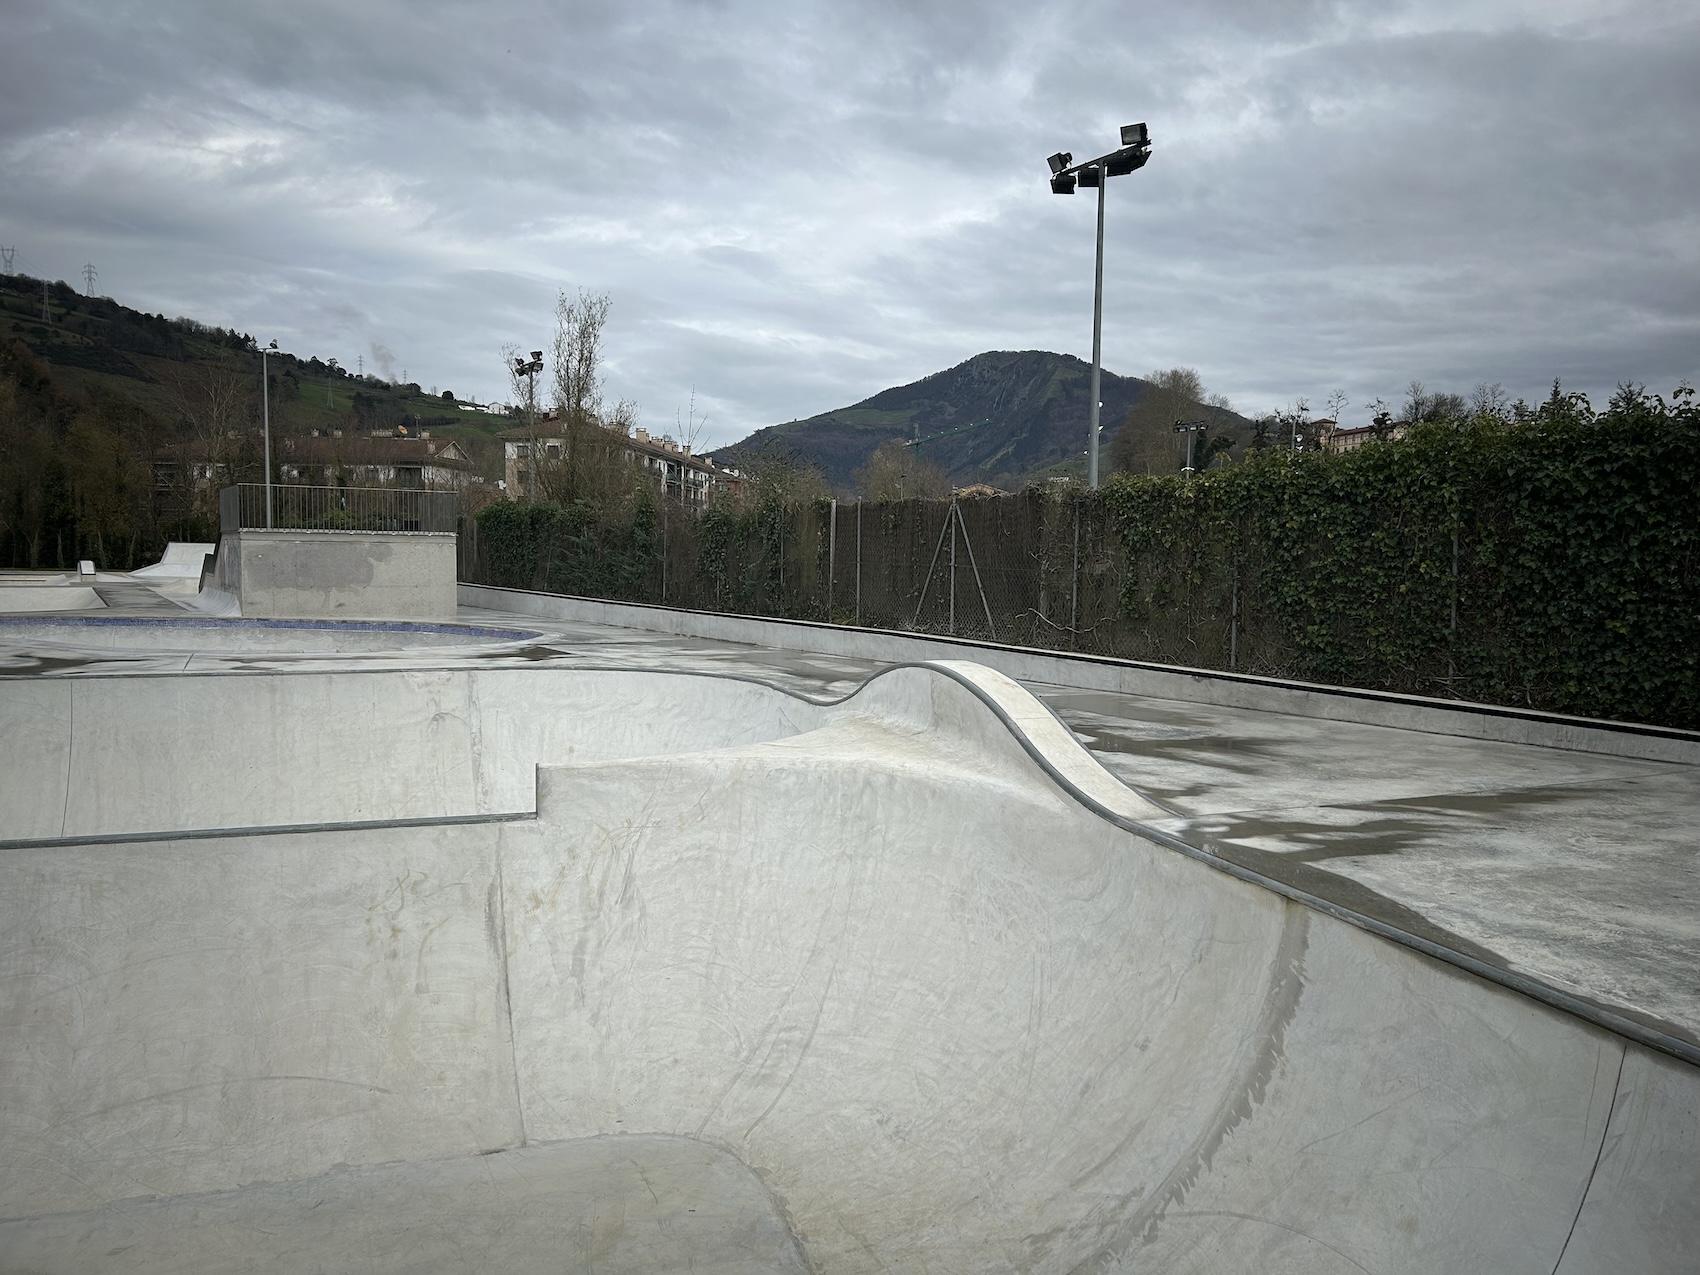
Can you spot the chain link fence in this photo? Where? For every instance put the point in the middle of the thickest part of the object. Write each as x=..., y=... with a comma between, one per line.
x=1040, y=568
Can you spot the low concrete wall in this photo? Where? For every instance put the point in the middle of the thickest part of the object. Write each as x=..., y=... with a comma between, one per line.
x=368, y=575
x=1128, y=677
x=137, y=755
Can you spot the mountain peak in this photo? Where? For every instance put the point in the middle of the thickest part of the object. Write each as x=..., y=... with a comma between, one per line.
x=1034, y=402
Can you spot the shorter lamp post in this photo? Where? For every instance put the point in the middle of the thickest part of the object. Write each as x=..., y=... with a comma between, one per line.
x=1190, y=428
x=266, y=400
x=529, y=370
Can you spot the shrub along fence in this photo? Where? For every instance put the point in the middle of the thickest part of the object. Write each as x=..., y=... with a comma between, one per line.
x=1552, y=563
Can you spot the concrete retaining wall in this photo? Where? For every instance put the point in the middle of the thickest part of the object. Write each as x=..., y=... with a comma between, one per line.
x=368, y=575
x=129, y=755
x=1097, y=673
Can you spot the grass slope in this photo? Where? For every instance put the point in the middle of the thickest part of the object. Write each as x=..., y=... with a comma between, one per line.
x=96, y=346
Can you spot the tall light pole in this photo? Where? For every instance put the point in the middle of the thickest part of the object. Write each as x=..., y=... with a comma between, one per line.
x=1065, y=176
x=529, y=370
x=266, y=399
x=1190, y=428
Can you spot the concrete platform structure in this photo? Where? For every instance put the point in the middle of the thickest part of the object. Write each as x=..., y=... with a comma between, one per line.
x=371, y=575
x=533, y=943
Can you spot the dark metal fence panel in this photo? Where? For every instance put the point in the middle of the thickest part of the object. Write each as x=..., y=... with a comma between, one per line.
x=1047, y=567
x=1042, y=567
x=299, y=508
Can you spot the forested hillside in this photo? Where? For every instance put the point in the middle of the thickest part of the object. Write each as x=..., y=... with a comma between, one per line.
x=1008, y=418
x=105, y=413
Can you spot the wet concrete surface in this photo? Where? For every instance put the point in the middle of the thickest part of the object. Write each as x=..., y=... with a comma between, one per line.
x=1581, y=871
x=1578, y=870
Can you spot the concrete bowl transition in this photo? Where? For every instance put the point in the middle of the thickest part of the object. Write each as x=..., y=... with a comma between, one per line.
x=561, y=967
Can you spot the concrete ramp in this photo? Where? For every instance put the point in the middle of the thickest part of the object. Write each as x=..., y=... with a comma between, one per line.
x=908, y=958
x=25, y=599
x=181, y=560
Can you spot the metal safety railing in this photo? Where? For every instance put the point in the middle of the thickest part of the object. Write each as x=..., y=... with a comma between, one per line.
x=291, y=508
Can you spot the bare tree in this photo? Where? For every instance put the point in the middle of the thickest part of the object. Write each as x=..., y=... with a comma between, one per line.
x=577, y=355
x=1423, y=405
x=689, y=426
x=896, y=471
x=215, y=404
x=1418, y=401
x=1490, y=400
x=777, y=475
x=1146, y=442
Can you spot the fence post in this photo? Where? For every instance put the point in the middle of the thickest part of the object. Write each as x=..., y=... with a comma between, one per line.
x=1040, y=505
x=1074, y=584
x=858, y=562
x=951, y=518
x=1234, y=621
x=831, y=556
x=1452, y=625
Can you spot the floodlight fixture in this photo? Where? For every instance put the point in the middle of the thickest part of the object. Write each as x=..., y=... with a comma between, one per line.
x=266, y=400
x=1189, y=428
x=529, y=371
x=1093, y=174
x=1126, y=161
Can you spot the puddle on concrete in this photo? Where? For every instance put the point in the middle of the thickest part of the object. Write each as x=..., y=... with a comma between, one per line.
x=1387, y=827
x=31, y=662
x=1239, y=755
x=1297, y=871
x=1117, y=707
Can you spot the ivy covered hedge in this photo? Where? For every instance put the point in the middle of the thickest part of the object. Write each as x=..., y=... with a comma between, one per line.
x=568, y=549
x=1552, y=562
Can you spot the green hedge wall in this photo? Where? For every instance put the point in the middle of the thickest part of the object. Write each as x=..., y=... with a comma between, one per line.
x=568, y=549
x=1552, y=562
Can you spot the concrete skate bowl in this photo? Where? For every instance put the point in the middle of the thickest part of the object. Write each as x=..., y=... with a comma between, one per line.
x=890, y=984
x=155, y=635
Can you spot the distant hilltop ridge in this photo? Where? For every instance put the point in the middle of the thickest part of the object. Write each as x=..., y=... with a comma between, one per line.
x=1036, y=403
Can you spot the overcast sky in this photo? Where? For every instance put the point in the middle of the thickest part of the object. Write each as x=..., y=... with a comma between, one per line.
x=793, y=205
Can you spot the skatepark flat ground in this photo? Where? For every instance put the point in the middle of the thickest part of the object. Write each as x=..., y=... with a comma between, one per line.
x=561, y=945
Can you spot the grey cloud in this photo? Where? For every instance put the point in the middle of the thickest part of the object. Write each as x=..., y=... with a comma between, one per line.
x=793, y=207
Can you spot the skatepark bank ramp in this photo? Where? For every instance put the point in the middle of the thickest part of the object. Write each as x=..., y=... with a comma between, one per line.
x=895, y=983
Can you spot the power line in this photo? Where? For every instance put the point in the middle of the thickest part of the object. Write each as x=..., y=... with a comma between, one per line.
x=90, y=274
